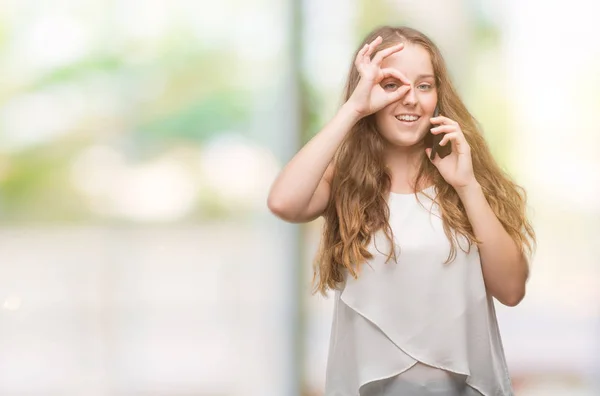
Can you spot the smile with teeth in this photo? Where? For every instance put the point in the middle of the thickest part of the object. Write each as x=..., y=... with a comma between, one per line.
x=407, y=117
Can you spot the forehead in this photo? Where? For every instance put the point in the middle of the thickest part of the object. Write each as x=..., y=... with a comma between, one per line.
x=413, y=60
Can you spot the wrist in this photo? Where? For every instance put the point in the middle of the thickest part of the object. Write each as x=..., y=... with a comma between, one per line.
x=351, y=112
x=468, y=189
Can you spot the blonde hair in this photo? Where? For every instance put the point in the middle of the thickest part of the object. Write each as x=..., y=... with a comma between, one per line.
x=361, y=183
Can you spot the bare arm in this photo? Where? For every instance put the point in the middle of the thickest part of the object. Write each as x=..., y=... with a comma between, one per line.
x=505, y=268
x=301, y=191
x=504, y=265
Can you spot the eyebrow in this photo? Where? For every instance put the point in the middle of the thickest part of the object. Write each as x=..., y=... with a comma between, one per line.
x=422, y=76
x=419, y=77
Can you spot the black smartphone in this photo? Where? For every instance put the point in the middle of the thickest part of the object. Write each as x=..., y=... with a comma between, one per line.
x=433, y=141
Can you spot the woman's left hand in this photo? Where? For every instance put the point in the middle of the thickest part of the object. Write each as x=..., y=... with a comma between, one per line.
x=457, y=167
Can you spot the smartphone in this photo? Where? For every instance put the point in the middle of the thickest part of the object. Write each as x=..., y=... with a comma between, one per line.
x=433, y=141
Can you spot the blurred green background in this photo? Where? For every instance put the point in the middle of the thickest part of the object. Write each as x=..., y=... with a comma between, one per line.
x=138, y=141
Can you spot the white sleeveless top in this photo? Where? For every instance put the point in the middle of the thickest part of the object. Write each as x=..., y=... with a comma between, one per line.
x=416, y=326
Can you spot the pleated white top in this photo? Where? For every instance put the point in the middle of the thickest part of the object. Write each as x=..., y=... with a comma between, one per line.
x=416, y=326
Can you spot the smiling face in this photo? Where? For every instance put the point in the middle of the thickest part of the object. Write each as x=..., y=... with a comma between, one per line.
x=405, y=122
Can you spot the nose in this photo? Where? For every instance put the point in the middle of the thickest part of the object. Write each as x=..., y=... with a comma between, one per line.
x=410, y=98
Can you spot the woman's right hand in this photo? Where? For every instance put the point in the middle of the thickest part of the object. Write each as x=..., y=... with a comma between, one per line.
x=369, y=96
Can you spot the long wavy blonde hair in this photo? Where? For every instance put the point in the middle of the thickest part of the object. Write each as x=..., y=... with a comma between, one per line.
x=361, y=183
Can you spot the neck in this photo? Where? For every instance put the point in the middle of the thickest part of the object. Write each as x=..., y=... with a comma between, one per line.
x=403, y=164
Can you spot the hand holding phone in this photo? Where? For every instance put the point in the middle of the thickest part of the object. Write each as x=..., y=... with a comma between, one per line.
x=434, y=141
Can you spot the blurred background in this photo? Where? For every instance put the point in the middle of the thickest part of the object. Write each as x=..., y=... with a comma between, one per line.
x=138, y=141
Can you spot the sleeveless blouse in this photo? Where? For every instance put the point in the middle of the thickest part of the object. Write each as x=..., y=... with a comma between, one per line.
x=416, y=326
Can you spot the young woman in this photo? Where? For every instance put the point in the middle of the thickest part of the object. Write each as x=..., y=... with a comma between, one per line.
x=414, y=248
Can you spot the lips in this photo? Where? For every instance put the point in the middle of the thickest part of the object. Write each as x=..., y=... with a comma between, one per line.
x=408, y=117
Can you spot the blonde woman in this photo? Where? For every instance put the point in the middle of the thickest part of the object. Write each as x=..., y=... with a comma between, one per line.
x=414, y=246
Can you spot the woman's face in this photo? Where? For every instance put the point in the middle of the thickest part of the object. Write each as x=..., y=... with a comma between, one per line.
x=406, y=122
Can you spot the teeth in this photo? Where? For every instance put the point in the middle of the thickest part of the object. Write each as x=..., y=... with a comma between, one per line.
x=407, y=118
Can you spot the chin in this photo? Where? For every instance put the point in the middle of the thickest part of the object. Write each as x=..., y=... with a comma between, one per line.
x=407, y=141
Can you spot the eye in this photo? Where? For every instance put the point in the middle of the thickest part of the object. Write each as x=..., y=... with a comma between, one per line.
x=390, y=86
x=424, y=87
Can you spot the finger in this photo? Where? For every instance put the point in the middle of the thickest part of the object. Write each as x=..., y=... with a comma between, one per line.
x=430, y=154
x=443, y=128
x=449, y=136
x=364, y=49
x=458, y=141
x=372, y=46
x=443, y=120
x=389, y=72
x=381, y=55
x=398, y=93
x=359, y=57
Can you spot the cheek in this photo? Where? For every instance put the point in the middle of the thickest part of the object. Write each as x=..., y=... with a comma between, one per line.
x=428, y=102
x=433, y=100
x=381, y=121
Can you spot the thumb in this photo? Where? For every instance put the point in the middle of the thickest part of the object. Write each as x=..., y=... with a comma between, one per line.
x=428, y=153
